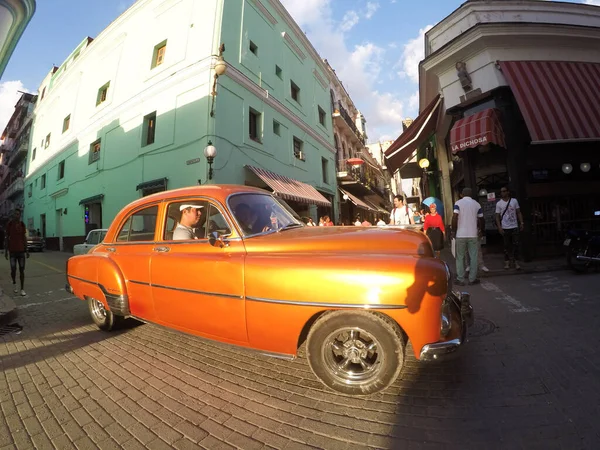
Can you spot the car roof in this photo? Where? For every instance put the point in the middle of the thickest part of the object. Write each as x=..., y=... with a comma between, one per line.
x=217, y=191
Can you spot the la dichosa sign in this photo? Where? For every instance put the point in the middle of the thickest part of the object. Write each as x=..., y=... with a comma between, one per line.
x=470, y=143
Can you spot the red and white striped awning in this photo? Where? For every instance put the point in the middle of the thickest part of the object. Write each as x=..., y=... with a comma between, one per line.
x=290, y=189
x=560, y=101
x=479, y=129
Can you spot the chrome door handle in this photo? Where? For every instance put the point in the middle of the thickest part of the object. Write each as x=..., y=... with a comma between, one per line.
x=110, y=249
x=161, y=249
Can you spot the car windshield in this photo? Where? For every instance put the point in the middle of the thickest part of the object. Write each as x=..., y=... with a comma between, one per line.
x=31, y=233
x=261, y=213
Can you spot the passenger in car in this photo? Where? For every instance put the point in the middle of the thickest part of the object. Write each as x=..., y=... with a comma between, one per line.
x=190, y=216
x=243, y=214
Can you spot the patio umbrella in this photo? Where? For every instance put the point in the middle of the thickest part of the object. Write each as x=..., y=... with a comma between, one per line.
x=440, y=206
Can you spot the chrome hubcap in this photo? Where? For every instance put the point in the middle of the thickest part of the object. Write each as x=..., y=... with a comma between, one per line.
x=98, y=310
x=352, y=355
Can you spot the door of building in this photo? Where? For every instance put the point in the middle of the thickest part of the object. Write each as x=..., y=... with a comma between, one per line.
x=43, y=225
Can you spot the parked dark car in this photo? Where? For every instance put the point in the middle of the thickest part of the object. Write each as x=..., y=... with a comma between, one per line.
x=34, y=242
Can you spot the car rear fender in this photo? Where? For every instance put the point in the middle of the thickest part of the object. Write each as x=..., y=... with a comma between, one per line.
x=97, y=276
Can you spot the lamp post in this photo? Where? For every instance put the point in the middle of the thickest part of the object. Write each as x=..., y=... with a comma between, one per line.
x=210, y=152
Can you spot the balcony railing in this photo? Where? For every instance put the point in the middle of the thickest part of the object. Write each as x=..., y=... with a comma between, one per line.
x=344, y=114
x=16, y=187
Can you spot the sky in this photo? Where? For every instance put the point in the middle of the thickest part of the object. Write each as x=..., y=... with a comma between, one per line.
x=374, y=46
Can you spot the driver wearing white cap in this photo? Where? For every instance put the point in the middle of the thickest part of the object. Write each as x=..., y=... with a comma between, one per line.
x=190, y=216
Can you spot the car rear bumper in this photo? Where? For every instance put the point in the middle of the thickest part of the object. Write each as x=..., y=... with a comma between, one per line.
x=460, y=315
x=35, y=246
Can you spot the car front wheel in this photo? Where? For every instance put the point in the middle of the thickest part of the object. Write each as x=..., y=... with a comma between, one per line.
x=355, y=352
x=102, y=317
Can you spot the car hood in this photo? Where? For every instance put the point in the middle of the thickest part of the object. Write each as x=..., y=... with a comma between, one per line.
x=365, y=240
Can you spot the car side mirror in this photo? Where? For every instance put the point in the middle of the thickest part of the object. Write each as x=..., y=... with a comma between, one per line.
x=216, y=240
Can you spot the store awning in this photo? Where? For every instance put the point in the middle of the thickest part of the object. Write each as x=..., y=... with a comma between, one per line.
x=479, y=129
x=357, y=201
x=153, y=184
x=94, y=199
x=290, y=189
x=420, y=130
x=377, y=208
x=560, y=101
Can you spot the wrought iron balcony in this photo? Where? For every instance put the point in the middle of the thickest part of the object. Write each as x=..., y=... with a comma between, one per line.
x=346, y=120
x=16, y=187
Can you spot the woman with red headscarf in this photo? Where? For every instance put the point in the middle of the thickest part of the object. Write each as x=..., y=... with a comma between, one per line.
x=434, y=229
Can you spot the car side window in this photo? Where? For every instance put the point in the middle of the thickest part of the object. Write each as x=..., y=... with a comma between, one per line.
x=93, y=238
x=140, y=226
x=193, y=219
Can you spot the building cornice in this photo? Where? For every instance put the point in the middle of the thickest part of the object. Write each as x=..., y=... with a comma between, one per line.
x=504, y=31
x=21, y=11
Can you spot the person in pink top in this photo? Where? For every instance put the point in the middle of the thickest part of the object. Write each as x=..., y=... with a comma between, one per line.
x=434, y=229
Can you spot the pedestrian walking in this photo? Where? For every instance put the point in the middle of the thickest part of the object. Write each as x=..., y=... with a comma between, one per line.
x=400, y=215
x=509, y=221
x=16, y=248
x=466, y=221
x=433, y=227
x=480, y=261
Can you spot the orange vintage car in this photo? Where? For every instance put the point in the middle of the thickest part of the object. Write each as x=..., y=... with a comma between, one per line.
x=237, y=265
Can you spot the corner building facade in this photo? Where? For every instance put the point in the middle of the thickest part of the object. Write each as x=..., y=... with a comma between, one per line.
x=130, y=113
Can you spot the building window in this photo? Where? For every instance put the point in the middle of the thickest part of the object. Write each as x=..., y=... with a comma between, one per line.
x=158, y=57
x=149, y=131
x=298, y=149
x=43, y=182
x=324, y=169
x=33, y=154
x=94, y=151
x=43, y=94
x=295, y=91
x=47, y=140
x=66, y=123
x=276, y=128
x=102, y=94
x=322, y=116
x=30, y=190
x=254, y=122
x=279, y=72
x=253, y=48
x=61, y=170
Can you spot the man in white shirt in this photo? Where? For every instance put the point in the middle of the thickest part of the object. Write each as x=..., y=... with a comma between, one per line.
x=509, y=221
x=190, y=216
x=466, y=222
x=401, y=215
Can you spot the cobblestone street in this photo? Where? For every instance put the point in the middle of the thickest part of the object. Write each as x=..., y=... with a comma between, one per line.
x=528, y=378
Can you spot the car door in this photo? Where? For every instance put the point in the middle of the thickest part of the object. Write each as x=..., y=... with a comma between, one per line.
x=131, y=251
x=197, y=284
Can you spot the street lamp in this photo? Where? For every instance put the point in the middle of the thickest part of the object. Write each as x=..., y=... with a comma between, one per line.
x=424, y=163
x=220, y=69
x=210, y=152
x=567, y=168
x=585, y=167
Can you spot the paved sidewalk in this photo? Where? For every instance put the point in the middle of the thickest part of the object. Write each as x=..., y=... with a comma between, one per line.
x=495, y=263
x=7, y=308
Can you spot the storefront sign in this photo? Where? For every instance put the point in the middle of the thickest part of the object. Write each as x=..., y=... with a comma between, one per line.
x=192, y=161
x=491, y=197
x=470, y=143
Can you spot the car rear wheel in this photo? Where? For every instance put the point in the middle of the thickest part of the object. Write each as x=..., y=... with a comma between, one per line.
x=355, y=352
x=102, y=317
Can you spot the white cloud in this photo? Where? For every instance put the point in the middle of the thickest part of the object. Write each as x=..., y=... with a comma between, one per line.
x=349, y=20
x=413, y=102
x=359, y=68
x=592, y=2
x=9, y=96
x=413, y=54
x=372, y=7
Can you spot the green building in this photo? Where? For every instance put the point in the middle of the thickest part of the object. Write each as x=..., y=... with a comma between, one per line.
x=132, y=111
